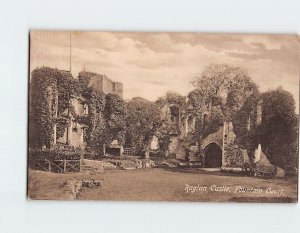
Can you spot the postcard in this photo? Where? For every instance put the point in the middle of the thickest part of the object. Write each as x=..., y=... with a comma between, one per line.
x=180, y=117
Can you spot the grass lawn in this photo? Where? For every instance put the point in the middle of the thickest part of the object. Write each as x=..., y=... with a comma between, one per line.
x=165, y=185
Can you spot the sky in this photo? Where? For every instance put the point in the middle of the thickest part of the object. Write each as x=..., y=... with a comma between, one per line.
x=150, y=64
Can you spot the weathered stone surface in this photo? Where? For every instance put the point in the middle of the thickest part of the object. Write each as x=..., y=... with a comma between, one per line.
x=279, y=172
x=264, y=160
x=245, y=156
x=138, y=163
x=148, y=163
x=93, y=166
x=74, y=186
x=128, y=164
x=90, y=183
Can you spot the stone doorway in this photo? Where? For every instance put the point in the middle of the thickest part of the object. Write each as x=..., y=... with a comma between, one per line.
x=212, y=156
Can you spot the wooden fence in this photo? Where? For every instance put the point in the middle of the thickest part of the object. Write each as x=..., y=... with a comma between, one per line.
x=129, y=151
x=57, y=166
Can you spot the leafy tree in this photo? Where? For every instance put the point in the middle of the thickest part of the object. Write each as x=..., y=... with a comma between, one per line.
x=223, y=80
x=219, y=85
x=277, y=131
x=213, y=80
x=142, y=121
x=171, y=98
x=240, y=87
x=279, y=127
x=115, y=119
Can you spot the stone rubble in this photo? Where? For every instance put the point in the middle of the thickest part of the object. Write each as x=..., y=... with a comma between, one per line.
x=73, y=186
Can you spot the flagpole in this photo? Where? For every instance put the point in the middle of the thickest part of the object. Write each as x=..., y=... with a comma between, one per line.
x=70, y=52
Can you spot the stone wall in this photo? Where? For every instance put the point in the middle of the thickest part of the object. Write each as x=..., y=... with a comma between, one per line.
x=118, y=89
x=75, y=135
x=216, y=137
x=233, y=156
x=75, y=132
x=173, y=146
x=107, y=86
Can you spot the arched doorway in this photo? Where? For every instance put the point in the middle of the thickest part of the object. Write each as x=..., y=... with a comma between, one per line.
x=212, y=156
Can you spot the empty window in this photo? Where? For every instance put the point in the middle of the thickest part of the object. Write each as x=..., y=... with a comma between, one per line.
x=205, y=119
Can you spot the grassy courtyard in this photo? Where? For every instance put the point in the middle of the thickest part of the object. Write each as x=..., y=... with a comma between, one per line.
x=165, y=185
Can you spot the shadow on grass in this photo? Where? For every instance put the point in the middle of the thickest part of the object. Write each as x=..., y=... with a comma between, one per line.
x=200, y=171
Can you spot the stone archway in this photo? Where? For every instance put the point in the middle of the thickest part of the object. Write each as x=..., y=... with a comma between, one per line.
x=212, y=156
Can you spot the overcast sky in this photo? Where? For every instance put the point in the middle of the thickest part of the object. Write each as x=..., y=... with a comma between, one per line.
x=149, y=64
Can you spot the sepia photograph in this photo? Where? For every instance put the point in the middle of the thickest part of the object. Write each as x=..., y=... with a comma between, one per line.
x=163, y=116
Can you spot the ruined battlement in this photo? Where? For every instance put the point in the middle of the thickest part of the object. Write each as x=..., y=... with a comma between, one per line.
x=118, y=89
x=104, y=84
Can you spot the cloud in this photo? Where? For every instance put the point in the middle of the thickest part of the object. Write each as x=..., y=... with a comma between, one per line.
x=149, y=64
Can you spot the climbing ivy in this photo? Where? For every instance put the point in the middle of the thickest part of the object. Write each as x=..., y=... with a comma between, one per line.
x=213, y=122
x=106, y=118
x=142, y=121
x=115, y=119
x=167, y=129
x=43, y=95
x=245, y=127
x=50, y=94
x=95, y=100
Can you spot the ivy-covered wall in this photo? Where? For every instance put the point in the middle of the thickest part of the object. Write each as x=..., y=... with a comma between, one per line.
x=43, y=107
x=55, y=114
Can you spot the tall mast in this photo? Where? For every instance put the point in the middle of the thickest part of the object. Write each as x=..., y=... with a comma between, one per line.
x=70, y=52
x=68, y=109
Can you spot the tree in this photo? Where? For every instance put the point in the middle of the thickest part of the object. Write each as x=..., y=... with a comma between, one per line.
x=222, y=90
x=142, y=121
x=240, y=88
x=171, y=98
x=277, y=132
x=115, y=119
x=279, y=128
x=213, y=80
x=219, y=80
